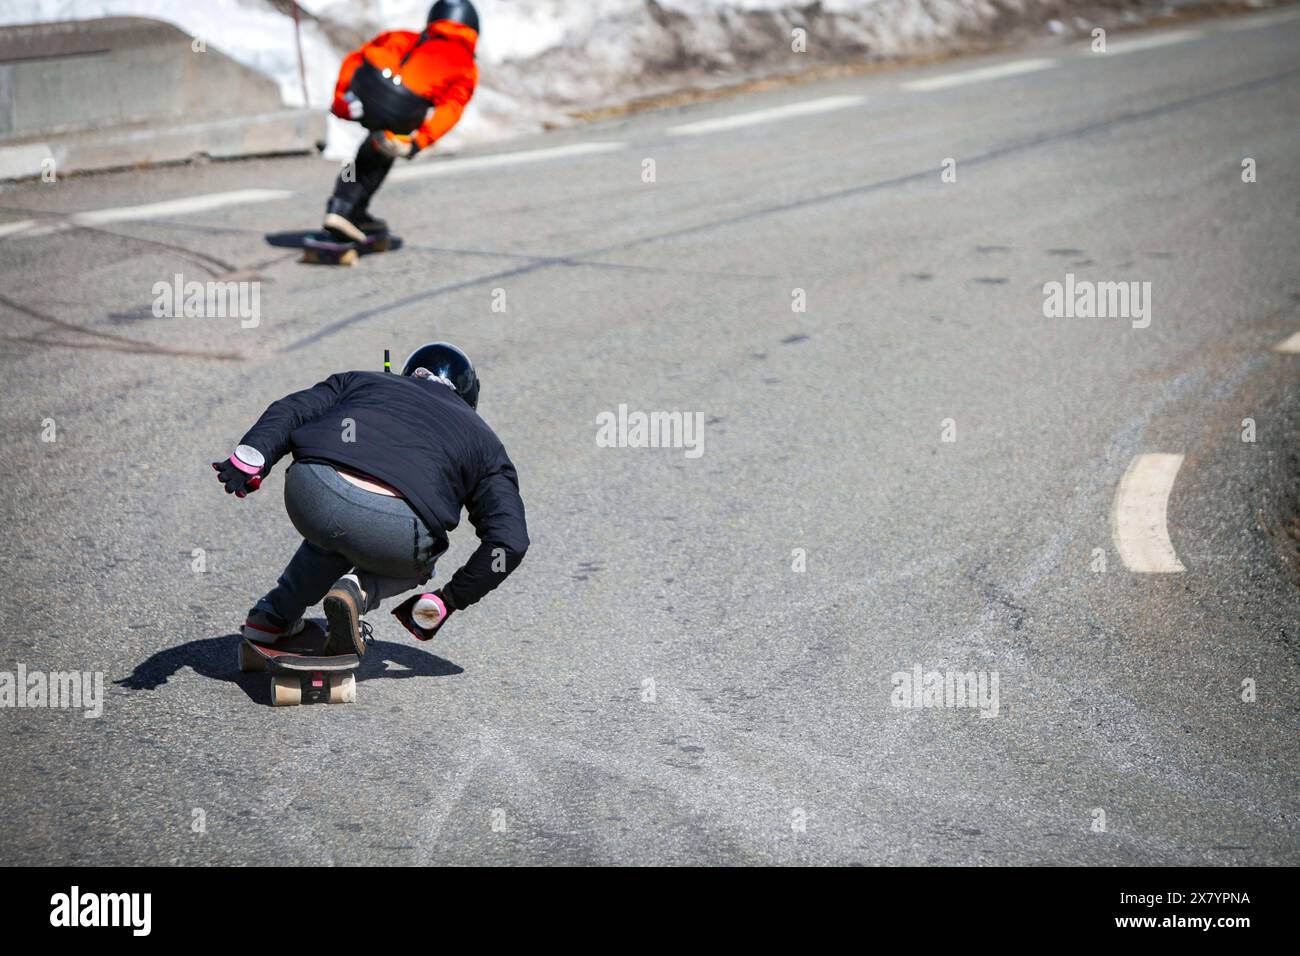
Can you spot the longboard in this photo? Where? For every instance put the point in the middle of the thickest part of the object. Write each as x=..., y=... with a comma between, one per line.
x=323, y=249
x=301, y=671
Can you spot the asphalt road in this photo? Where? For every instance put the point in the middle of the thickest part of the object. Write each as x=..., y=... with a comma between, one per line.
x=695, y=662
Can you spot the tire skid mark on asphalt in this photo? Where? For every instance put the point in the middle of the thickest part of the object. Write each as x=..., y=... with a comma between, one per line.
x=105, y=341
x=218, y=268
x=828, y=787
x=463, y=764
x=987, y=637
x=292, y=778
x=1139, y=514
x=705, y=796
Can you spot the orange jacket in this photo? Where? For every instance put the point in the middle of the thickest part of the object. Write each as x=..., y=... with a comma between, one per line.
x=441, y=70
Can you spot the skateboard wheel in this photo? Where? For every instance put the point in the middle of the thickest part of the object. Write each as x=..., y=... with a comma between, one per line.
x=343, y=688
x=286, y=690
x=249, y=660
x=349, y=258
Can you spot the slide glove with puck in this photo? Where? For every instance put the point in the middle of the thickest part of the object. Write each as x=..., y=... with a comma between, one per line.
x=424, y=614
x=241, y=473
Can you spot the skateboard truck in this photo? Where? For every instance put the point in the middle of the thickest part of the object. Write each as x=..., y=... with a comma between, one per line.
x=314, y=687
x=301, y=671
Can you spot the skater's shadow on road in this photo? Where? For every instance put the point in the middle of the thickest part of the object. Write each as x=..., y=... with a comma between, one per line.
x=217, y=658
x=295, y=239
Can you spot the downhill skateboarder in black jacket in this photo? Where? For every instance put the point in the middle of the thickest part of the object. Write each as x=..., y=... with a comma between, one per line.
x=382, y=466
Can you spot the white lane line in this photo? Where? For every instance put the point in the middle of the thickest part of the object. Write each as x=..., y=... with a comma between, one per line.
x=1139, y=515
x=9, y=228
x=977, y=76
x=177, y=207
x=156, y=210
x=1122, y=45
x=736, y=121
x=1258, y=20
x=497, y=160
x=28, y=228
x=1291, y=344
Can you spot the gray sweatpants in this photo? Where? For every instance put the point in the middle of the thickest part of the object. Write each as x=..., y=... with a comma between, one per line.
x=348, y=529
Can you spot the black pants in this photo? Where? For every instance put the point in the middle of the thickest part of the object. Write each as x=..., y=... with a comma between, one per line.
x=367, y=174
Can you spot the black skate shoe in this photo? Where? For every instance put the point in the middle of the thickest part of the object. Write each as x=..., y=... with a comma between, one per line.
x=340, y=222
x=344, y=605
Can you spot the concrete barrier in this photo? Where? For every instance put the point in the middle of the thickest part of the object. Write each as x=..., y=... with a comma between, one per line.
x=122, y=91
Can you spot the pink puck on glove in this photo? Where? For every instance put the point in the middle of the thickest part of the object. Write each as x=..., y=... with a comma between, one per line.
x=248, y=459
x=428, y=611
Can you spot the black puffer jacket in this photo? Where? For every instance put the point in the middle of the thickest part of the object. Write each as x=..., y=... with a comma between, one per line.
x=421, y=438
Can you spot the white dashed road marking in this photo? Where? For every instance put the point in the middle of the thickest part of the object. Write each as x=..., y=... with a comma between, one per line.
x=497, y=160
x=1258, y=20
x=1140, y=511
x=178, y=207
x=29, y=228
x=1122, y=45
x=977, y=76
x=158, y=210
x=17, y=226
x=735, y=121
x=1291, y=344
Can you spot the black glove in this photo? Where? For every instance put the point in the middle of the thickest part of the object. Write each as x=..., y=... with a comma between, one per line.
x=241, y=473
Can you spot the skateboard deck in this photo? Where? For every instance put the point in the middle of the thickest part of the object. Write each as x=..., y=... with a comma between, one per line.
x=323, y=249
x=301, y=671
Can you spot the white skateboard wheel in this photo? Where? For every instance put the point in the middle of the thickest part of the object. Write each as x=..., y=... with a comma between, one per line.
x=343, y=688
x=286, y=690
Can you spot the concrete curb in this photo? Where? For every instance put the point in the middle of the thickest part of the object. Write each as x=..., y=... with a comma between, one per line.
x=124, y=91
x=288, y=131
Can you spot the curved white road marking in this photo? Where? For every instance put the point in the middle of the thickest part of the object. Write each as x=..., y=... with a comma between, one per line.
x=1140, y=512
x=737, y=120
x=977, y=76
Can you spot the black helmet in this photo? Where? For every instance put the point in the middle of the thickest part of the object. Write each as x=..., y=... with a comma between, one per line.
x=461, y=11
x=446, y=361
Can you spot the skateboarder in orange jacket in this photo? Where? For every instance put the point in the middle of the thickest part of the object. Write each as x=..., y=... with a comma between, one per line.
x=408, y=89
